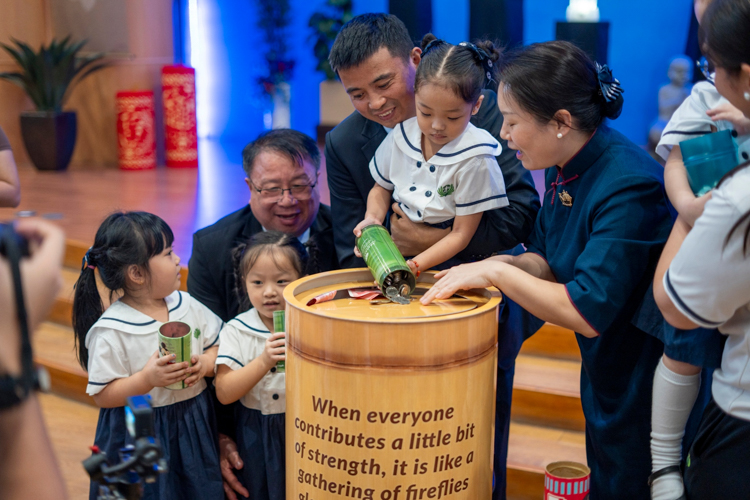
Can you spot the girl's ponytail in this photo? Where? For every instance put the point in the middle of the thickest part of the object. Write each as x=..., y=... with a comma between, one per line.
x=87, y=308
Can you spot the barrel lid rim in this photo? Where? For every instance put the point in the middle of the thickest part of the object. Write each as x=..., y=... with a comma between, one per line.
x=426, y=278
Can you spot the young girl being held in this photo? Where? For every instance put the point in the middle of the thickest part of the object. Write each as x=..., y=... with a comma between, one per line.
x=437, y=166
x=677, y=381
x=246, y=364
x=119, y=348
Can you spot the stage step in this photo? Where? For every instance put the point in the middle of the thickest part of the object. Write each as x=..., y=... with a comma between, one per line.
x=530, y=449
x=546, y=392
x=53, y=349
x=554, y=342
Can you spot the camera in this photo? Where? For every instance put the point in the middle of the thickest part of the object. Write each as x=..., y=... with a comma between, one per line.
x=140, y=462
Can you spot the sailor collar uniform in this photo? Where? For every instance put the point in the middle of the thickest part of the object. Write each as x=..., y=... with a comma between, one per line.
x=243, y=340
x=121, y=342
x=463, y=178
x=690, y=121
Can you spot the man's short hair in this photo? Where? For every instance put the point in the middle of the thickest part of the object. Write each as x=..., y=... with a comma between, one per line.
x=364, y=35
x=292, y=144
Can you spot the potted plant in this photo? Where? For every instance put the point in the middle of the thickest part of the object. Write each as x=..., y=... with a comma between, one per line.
x=47, y=76
x=334, y=102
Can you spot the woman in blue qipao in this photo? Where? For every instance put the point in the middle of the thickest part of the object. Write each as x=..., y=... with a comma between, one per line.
x=591, y=257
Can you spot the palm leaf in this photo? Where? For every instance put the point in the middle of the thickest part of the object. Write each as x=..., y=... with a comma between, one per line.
x=48, y=74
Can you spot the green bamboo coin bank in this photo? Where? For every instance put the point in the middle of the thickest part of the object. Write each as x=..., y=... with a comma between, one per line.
x=175, y=337
x=387, y=265
x=279, y=320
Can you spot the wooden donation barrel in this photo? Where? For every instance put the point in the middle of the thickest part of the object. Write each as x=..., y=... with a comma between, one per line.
x=388, y=401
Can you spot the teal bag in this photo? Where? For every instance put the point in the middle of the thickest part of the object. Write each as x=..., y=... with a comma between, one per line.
x=707, y=159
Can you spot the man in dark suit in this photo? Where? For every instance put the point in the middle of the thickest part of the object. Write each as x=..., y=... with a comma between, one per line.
x=282, y=174
x=282, y=168
x=377, y=61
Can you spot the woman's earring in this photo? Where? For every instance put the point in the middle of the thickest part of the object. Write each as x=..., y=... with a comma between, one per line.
x=559, y=135
x=747, y=96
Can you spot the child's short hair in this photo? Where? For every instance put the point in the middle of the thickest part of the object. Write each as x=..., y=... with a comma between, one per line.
x=465, y=69
x=270, y=243
x=122, y=240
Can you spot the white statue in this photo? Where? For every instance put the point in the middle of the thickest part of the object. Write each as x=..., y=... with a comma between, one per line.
x=672, y=94
x=582, y=11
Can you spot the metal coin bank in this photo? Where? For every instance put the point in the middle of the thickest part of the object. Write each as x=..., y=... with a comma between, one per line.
x=388, y=267
x=386, y=400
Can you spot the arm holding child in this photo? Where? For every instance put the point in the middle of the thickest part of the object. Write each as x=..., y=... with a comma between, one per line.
x=678, y=189
x=479, y=187
x=464, y=227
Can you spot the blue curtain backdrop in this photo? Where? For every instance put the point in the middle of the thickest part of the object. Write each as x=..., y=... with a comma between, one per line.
x=644, y=36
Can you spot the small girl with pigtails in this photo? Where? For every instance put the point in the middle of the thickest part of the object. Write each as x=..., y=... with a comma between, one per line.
x=246, y=364
x=437, y=166
x=119, y=346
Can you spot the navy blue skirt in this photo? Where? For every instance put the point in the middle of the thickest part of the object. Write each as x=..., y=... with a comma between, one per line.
x=699, y=347
x=260, y=439
x=187, y=433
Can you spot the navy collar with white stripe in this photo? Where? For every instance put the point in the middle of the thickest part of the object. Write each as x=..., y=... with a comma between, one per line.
x=473, y=142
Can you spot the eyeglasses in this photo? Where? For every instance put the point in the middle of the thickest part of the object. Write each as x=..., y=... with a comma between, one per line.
x=706, y=68
x=300, y=192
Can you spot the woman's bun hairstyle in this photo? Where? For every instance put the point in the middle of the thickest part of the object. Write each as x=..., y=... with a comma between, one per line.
x=613, y=110
x=544, y=78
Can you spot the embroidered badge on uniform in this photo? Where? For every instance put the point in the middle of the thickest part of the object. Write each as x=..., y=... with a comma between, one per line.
x=446, y=190
x=566, y=199
x=197, y=333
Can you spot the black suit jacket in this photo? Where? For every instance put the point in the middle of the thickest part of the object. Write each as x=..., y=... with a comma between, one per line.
x=352, y=144
x=211, y=274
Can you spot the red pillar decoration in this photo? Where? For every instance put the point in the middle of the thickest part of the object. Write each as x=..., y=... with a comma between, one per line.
x=181, y=132
x=136, y=130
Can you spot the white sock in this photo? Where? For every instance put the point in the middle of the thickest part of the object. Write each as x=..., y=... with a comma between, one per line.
x=673, y=399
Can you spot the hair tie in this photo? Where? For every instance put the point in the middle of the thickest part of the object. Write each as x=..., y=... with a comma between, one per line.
x=609, y=86
x=87, y=264
x=432, y=44
x=483, y=58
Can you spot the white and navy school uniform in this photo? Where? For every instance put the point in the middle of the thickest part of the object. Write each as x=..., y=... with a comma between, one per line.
x=708, y=281
x=690, y=120
x=463, y=178
x=699, y=347
x=120, y=344
x=260, y=416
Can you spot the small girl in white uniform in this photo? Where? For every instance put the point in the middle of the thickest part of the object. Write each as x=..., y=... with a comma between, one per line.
x=437, y=166
x=246, y=364
x=119, y=348
x=677, y=381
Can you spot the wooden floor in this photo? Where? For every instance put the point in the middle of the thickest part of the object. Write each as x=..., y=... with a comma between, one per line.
x=71, y=427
